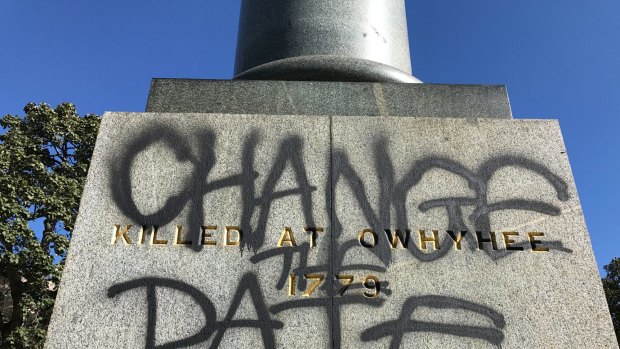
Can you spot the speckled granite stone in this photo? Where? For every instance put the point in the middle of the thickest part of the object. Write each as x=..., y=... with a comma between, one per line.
x=276, y=177
x=335, y=40
x=327, y=98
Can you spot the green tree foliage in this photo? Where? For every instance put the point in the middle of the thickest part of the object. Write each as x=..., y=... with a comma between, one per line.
x=611, y=284
x=44, y=158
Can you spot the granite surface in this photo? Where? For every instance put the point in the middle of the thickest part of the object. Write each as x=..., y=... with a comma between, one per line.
x=327, y=98
x=500, y=176
x=193, y=170
x=273, y=34
x=272, y=177
x=327, y=68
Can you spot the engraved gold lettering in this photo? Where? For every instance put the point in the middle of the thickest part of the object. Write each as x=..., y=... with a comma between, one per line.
x=508, y=241
x=362, y=238
x=292, y=284
x=426, y=239
x=179, y=238
x=535, y=243
x=482, y=241
x=228, y=240
x=206, y=237
x=121, y=232
x=317, y=278
x=346, y=281
x=313, y=234
x=154, y=240
x=398, y=236
x=287, y=237
x=142, y=234
x=457, y=238
x=375, y=287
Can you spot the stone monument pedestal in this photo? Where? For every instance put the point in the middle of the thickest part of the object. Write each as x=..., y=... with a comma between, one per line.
x=318, y=215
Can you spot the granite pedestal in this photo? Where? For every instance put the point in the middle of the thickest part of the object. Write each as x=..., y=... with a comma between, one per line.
x=456, y=227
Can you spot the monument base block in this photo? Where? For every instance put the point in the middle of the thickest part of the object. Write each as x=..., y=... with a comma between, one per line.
x=327, y=98
x=326, y=231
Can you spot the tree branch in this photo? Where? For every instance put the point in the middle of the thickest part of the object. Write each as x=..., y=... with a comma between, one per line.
x=49, y=227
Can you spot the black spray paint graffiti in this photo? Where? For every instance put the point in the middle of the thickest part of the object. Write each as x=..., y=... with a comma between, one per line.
x=198, y=186
x=193, y=190
x=393, y=196
x=398, y=328
x=248, y=283
x=290, y=151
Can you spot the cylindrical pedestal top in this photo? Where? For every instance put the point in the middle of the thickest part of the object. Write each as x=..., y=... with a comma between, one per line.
x=327, y=40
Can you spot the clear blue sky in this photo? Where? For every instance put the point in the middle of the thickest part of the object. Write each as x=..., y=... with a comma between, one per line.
x=559, y=59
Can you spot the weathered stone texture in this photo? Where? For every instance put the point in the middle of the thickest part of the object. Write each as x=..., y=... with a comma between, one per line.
x=344, y=174
x=327, y=98
x=187, y=170
x=467, y=175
